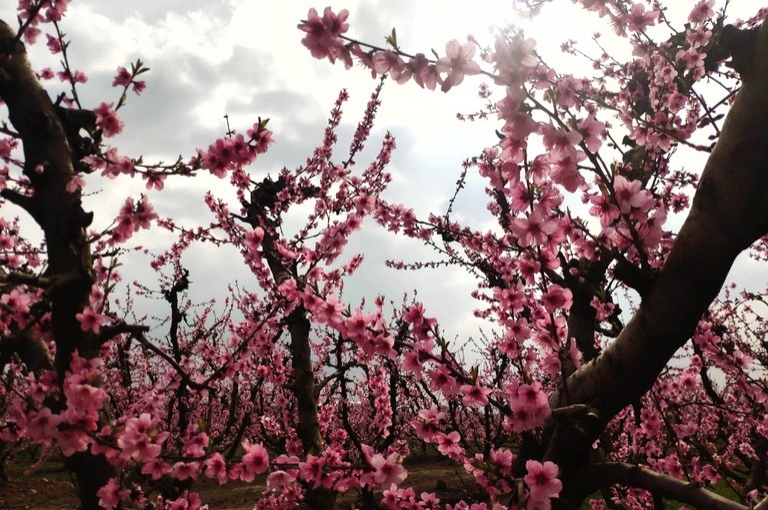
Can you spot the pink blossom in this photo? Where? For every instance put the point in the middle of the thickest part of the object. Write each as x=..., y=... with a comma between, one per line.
x=187, y=501
x=457, y=62
x=560, y=143
x=424, y=73
x=475, y=395
x=195, y=445
x=107, y=120
x=322, y=38
x=280, y=480
x=122, y=78
x=16, y=300
x=312, y=470
x=603, y=209
x=638, y=19
x=117, y=164
x=565, y=171
x=557, y=298
x=54, y=44
x=387, y=471
x=535, y=229
x=702, y=11
x=154, y=180
x=71, y=441
x=443, y=380
x=31, y=33
x=691, y=58
x=529, y=405
x=329, y=311
x=357, y=324
x=253, y=239
x=390, y=62
x=426, y=425
x=542, y=480
x=631, y=195
x=155, y=468
x=503, y=459
x=110, y=495
x=144, y=213
x=185, y=470
x=90, y=320
x=76, y=182
x=514, y=60
x=254, y=462
x=448, y=444
x=593, y=131
x=41, y=426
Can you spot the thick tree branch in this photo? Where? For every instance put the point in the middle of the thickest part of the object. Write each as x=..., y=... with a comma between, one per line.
x=612, y=473
x=729, y=213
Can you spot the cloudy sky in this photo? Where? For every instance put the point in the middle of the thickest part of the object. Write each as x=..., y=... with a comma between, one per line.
x=244, y=58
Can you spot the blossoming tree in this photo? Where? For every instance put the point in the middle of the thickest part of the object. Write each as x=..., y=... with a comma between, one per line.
x=581, y=393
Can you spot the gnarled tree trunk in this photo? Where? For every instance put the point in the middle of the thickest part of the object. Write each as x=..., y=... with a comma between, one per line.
x=60, y=215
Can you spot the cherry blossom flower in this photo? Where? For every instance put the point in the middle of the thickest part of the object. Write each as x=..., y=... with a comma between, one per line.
x=41, y=426
x=535, y=229
x=457, y=63
x=254, y=462
x=216, y=467
x=280, y=480
x=122, y=78
x=424, y=73
x=638, y=19
x=514, y=61
x=322, y=38
x=253, y=239
x=603, y=209
x=443, y=380
x=557, y=298
x=631, y=195
x=107, y=120
x=155, y=468
x=389, y=62
x=702, y=11
x=448, y=444
x=312, y=470
x=593, y=131
x=542, y=481
x=54, y=44
x=110, y=495
x=475, y=395
x=387, y=471
x=90, y=320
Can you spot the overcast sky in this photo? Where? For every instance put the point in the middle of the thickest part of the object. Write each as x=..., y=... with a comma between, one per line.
x=244, y=58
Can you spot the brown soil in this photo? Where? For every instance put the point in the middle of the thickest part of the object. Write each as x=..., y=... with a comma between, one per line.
x=49, y=488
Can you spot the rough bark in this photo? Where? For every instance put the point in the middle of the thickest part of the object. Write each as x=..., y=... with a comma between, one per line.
x=61, y=218
x=729, y=213
x=303, y=386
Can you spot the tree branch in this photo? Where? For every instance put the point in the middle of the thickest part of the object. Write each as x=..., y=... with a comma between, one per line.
x=611, y=473
x=729, y=213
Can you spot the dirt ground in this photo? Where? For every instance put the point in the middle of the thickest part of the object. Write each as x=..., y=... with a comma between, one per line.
x=49, y=488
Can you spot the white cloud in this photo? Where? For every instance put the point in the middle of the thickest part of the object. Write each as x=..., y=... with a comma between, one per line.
x=244, y=58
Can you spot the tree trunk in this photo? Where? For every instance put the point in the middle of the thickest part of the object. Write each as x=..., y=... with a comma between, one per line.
x=61, y=217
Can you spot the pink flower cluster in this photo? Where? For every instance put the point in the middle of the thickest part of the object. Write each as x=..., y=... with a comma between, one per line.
x=324, y=40
x=235, y=151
